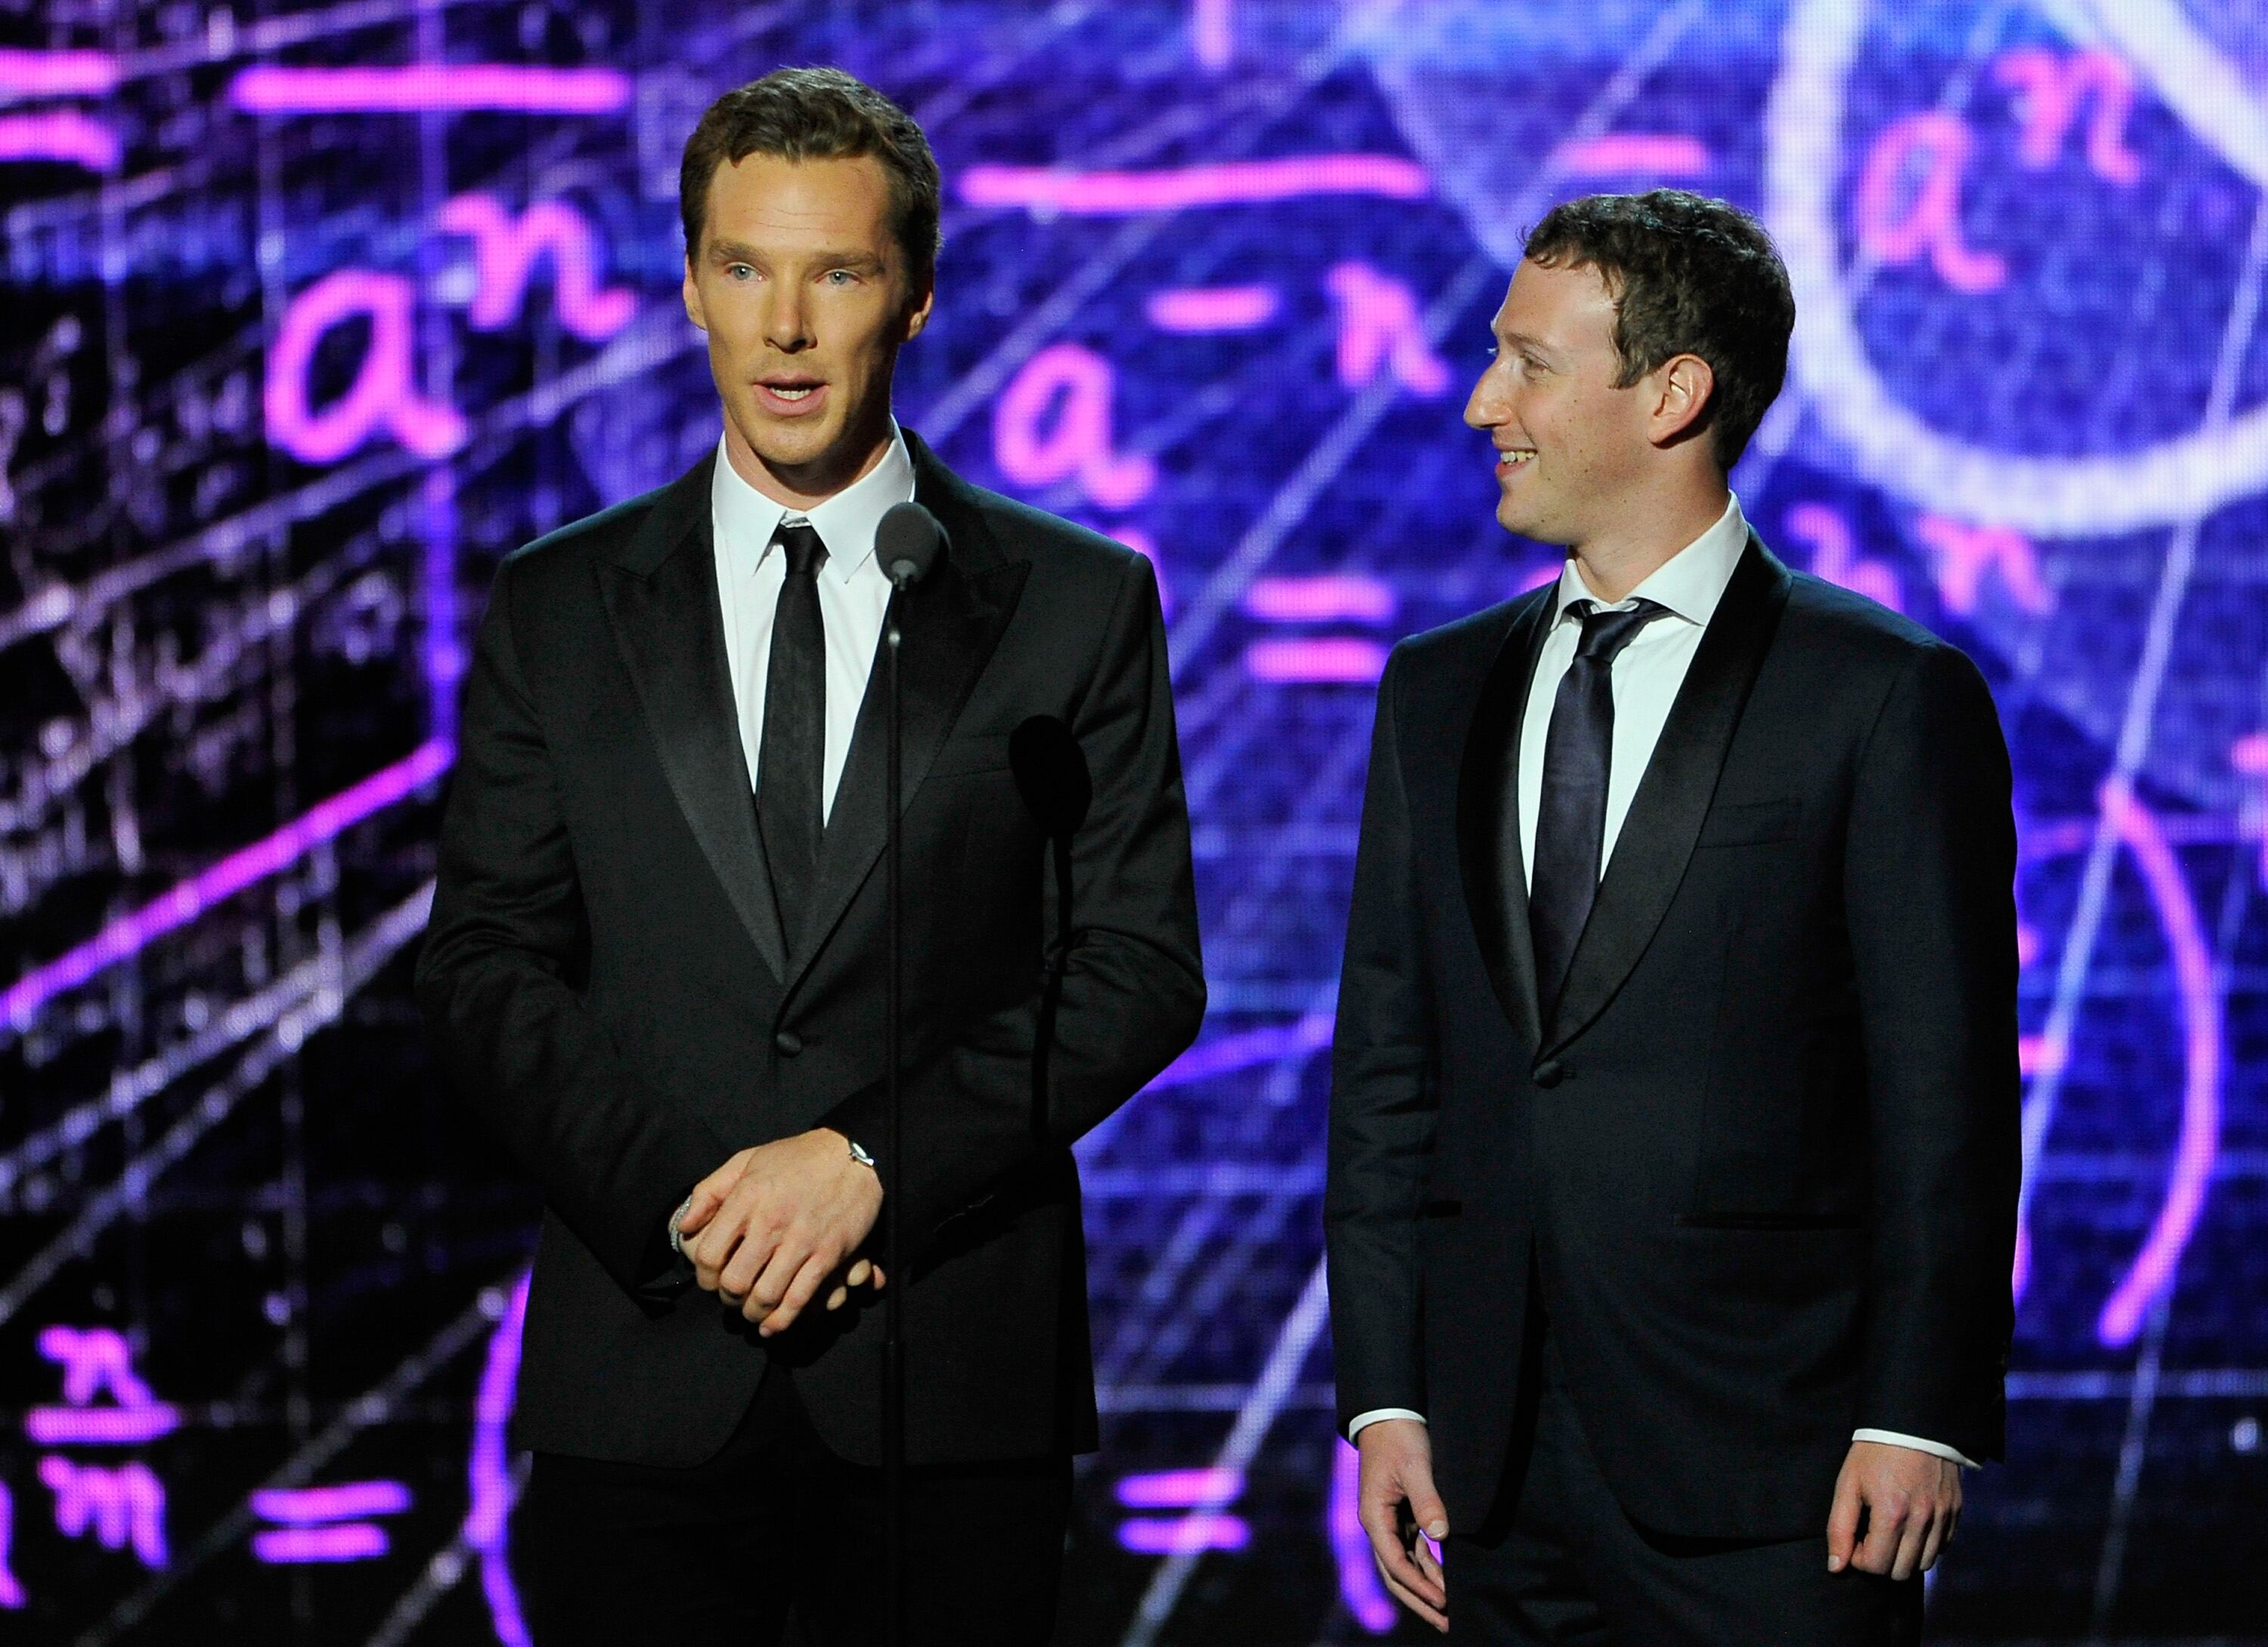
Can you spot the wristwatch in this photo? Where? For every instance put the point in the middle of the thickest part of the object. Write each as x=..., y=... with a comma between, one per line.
x=859, y=1154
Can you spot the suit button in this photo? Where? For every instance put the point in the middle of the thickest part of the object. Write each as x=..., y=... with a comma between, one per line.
x=788, y=1042
x=1549, y=1073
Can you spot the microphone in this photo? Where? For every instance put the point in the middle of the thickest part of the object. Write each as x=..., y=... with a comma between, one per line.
x=907, y=542
x=1051, y=775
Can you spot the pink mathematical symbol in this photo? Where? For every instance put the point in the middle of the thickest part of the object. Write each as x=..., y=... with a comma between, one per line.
x=1380, y=329
x=126, y=1504
x=447, y=88
x=1319, y=661
x=1835, y=554
x=2050, y=87
x=1046, y=191
x=504, y=251
x=97, y=1361
x=382, y=396
x=11, y=1592
x=1359, y=1585
x=1053, y=423
x=1909, y=202
x=63, y=134
x=28, y=74
x=1632, y=154
x=321, y=1524
x=1202, y=1492
x=1332, y=597
x=2248, y=755
x=1964, y=553
x=1212, y=308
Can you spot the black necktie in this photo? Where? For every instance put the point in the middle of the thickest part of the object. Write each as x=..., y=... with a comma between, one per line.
x=1571, y=820
x=791, y=765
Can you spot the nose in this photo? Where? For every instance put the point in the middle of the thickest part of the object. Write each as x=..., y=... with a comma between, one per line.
x=1490, y=403
x=787, y=320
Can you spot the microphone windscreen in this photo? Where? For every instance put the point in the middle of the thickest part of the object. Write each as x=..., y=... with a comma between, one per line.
x=907, y=543
x=1052, y=774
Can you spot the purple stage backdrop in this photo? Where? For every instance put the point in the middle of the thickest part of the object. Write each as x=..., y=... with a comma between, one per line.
x=314, y=310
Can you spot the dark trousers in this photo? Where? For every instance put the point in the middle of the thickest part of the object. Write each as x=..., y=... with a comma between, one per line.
x=1557, y=1561
x=776, y=1525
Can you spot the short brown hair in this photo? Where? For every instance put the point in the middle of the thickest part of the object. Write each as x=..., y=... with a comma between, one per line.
x=818, y=114
x=1690, y=276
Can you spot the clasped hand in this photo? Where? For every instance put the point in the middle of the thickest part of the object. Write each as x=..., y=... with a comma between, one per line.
x=776, y=1223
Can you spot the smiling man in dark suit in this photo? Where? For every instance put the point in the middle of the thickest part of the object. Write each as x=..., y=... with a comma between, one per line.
x=656, y=961
x=1674, y=1145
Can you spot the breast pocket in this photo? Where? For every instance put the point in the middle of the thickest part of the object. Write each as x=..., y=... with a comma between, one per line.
x=965, y=756
x=1750, y=823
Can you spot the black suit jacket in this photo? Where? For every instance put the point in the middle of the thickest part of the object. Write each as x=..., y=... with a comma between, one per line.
x=605, y=982
x=1764, y=1158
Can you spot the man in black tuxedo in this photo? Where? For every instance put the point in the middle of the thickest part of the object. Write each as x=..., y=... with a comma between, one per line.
x=1673, y=1144
x=656, y=965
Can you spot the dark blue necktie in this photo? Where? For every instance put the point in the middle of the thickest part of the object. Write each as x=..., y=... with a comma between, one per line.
x=1571, y=818
x=791, y=762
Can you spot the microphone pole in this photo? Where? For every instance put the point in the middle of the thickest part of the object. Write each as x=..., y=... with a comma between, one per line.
x=907, y=543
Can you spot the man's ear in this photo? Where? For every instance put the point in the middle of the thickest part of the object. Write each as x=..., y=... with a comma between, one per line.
x=917, y=312
x=1687, y=383
x=693, y=311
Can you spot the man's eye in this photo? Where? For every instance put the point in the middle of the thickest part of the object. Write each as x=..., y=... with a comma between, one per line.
x=839, y=277
x=737, y=270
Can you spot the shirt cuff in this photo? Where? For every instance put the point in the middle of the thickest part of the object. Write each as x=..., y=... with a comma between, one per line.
x=1889, y=1437
x=1355, y=1426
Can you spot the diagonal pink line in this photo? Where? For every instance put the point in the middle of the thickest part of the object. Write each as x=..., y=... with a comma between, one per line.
x=132, y=933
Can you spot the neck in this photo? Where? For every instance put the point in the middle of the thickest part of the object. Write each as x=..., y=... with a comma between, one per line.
x=805, y=486
x=1611, y=564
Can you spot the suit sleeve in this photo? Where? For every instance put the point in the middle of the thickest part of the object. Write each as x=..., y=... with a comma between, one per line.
x=503, y=1017
x=1133, y=985
x=1383, y=1102
x=1929, y=886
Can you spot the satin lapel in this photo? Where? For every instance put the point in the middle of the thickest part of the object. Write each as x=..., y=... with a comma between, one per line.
x=661, y=597
x=1665, y=817
x=951, y=621
x=1488, y=819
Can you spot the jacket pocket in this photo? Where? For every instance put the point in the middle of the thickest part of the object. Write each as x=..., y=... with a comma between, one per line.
x=1750, y=822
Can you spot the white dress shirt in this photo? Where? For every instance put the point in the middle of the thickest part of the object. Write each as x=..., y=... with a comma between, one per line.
x=1647, y=675
x=853, y=594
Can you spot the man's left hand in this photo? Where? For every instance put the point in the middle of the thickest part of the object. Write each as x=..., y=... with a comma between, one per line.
x=770, y=1226
x=1911, y=1501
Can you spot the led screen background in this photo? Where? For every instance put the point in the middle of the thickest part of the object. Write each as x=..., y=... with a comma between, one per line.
x=313, y=314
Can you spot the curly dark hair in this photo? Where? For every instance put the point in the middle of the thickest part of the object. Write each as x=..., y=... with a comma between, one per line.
x=818, y=114
x=1692, y=276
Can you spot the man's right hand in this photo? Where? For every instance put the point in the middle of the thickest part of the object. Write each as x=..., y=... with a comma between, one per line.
x=1397, y=1469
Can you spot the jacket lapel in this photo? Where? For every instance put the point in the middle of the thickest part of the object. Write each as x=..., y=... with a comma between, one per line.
x=1488, y=818
x=951, y=622
x=660, y=594
x=1666, y=814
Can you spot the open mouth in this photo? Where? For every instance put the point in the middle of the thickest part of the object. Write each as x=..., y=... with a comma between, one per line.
x=789, y=396
x=1519, y=457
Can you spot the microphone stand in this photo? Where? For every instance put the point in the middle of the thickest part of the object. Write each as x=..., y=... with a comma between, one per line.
x=894, y=1347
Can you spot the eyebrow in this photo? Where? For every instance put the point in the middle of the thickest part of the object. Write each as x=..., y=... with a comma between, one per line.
x=739, y=251
x=1522, y=340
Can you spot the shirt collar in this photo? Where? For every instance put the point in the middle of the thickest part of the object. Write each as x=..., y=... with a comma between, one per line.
x=746, y=519
x=1690, y=583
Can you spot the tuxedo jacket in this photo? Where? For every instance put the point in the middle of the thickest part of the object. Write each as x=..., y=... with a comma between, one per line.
x=1763, y=1158
x=604, y=978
